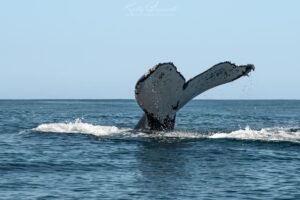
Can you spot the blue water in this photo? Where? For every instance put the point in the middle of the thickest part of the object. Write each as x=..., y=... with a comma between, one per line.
x=86, y=149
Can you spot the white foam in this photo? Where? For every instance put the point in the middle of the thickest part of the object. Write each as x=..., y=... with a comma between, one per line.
x=79, y=127
x=173, y=134
x=265, y=134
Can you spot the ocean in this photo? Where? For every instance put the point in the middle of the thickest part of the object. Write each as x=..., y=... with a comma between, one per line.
x=87, y=149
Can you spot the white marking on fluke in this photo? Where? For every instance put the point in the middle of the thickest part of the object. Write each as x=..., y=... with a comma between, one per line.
x=162, y=91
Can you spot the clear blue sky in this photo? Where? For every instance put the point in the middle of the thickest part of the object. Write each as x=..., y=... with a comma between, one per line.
x=98, y=49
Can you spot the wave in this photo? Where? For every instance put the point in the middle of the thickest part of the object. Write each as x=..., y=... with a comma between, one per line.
x=265, y=134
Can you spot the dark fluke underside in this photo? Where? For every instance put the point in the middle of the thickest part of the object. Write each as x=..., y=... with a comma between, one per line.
x=162, y=91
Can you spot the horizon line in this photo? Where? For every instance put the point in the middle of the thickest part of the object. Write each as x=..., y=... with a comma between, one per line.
x=41, y=99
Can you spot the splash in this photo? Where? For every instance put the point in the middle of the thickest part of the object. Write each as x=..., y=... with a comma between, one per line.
x=79, y=127
x=265, y=134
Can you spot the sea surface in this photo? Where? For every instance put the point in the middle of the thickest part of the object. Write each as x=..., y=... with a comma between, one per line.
x=87, y=149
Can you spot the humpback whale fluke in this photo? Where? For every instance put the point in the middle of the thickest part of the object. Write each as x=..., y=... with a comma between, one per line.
x=162, y=91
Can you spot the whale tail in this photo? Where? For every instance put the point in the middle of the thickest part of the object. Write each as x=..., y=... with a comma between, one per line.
x=162, y=91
